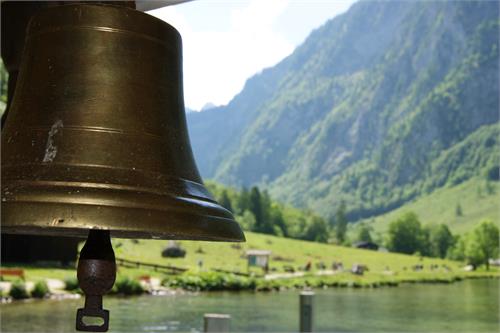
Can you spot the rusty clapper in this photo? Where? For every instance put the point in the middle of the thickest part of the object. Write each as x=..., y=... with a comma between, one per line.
x=95, y=140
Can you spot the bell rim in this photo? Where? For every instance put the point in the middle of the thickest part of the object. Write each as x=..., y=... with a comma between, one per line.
x=207, y=227
x=72, y=210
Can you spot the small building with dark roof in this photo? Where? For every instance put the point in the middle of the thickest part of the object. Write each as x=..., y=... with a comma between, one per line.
x=366, y=246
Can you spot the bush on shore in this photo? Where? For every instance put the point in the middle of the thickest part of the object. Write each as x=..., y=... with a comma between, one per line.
x=71, y=284
x=127, y=286
x=210, y=281
x=18, y=290
x=40, y=290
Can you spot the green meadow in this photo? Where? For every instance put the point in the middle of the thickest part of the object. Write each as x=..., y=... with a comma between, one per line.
x=383, y=266
x=477, y=200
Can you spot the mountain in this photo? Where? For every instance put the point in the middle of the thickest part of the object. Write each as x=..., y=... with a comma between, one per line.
x=379, y=106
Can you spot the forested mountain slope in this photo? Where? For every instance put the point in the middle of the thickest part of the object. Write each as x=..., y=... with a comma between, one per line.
x=380, y=105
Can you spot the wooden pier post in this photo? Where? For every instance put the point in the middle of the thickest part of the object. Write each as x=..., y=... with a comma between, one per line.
x=215, y=322
x=306, y=311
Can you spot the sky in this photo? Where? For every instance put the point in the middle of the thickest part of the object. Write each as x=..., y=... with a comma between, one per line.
x=225, y=42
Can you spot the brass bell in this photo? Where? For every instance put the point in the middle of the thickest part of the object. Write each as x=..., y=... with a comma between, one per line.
x=96, y=135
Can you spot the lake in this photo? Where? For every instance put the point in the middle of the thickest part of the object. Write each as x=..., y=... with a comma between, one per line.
x=467, y=306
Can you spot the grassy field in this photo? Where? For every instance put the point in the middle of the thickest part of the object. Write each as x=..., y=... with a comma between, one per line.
x=285, y=252
x=440, y=207
x=230, y=256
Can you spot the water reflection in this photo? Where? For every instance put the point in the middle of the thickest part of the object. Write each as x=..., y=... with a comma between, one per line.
x=468, y=306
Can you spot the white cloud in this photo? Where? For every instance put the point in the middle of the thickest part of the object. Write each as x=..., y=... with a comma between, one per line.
x=218, y=62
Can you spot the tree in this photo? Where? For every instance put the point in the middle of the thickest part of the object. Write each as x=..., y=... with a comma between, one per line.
x=457, y=250
x=493, y=173
x=340, y=223
x=225, y=201
x=441, y=240
x=247, y=220
x=472, y=251
x=267, y=225
x=482, y=244
x=256, y=208
x=364, y=233
x=404, y=234
x=278, y=221
x=260, y=206
x=243, y=201
x=317, y=230
x=424, y=242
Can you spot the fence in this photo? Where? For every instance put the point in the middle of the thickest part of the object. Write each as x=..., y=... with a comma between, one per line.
x=137, y=264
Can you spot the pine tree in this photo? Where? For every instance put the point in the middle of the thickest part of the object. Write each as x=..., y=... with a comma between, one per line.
x=243, y=201
x=256, y=208
x=225, y=201
x=340, y=223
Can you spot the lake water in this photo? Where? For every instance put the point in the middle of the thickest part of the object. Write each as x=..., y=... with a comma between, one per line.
x=467, y=306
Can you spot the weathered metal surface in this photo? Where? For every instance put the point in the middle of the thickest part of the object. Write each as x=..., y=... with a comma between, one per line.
x=96, y=135
x=14, y=20
x=96, y=275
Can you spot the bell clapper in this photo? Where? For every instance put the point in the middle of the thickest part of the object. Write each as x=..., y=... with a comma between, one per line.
x=96, y=276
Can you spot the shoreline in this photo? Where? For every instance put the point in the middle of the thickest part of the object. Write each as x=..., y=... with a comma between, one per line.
x=342, y=280
x=195, y=283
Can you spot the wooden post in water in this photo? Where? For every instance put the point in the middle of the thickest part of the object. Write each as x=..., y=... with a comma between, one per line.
x=306, y=311
x=214, y=322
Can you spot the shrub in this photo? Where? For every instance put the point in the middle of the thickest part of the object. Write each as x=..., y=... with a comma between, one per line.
x=211, y=281
x=40, y=290
x=18, y=290
x=71, y=284
x=268, y=285
x=128, y=286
